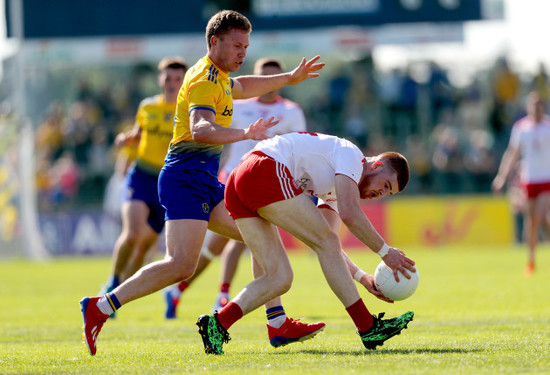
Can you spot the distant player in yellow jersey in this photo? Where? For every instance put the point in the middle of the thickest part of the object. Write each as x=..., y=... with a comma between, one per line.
x=142, y=215
x=189, y=189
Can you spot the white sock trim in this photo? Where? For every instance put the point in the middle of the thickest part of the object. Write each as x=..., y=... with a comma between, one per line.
x=277, y=322
x=104, y=306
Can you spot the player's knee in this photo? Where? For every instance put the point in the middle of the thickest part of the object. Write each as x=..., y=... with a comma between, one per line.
x=286, y=284
x=131, y=238
x=282, y=281
x=212, y=251
x=181, y=269
x=329, y=241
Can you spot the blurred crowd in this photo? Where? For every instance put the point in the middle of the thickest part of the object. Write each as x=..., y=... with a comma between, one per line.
x=74, y=146
x=453, y=136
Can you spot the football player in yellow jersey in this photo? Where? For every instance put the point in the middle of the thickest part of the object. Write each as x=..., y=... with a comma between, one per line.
x=142, y=215
x=188, y=186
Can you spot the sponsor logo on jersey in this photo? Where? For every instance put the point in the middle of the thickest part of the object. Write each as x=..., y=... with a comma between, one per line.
x=227, y=112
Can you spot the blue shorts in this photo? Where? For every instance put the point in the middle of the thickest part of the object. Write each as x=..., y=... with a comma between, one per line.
x=142, y=186
x=189, y=194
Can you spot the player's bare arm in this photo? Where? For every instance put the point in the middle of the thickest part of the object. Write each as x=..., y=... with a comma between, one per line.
x=205, y=130
x=356, y=272
x=509, y=159
x=255, y=85
x=365, y=279
x=130, y=137
x=357, y=222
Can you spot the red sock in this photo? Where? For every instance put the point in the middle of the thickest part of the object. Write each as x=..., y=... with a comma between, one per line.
x=229, y=315
x=183, y=285
x=225, y=288
x=360, y=315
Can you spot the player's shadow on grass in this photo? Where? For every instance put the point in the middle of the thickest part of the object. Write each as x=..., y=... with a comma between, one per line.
x=381, y=351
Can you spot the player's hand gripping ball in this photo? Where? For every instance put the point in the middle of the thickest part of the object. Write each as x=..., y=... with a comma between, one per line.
x=397, y=291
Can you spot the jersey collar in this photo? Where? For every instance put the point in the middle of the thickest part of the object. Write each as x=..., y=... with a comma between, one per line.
x=221, y=74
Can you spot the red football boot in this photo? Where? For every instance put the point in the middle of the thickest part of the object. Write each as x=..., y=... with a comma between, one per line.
x=93, y=321
x=293, y=331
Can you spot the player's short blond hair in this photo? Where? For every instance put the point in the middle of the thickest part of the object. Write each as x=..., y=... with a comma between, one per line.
x=267, y=61
x=224, y=21
x=173, y=62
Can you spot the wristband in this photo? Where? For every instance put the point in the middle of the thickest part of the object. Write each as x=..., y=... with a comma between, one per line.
x=359, y=274
x=384, y=250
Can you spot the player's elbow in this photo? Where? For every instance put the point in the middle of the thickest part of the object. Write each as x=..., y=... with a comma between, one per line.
x=348, y=217
x=199, y=133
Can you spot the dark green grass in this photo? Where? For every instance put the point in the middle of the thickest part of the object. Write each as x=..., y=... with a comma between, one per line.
x=475, y=313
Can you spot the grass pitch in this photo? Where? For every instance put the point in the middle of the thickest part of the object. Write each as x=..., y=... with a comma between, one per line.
x=475, y=313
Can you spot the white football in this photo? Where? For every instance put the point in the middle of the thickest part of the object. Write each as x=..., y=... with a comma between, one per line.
x=397, y=291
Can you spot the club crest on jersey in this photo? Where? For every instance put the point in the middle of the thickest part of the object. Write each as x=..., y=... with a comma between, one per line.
x=205, y=208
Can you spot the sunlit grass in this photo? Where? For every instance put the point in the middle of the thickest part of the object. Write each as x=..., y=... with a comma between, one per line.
x=475, y=313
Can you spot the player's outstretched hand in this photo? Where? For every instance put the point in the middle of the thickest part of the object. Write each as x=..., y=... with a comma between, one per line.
x=305, y=70
x=368, y=282
x=399, y=262
x=257, y=131
x=498, y=184
x=121, y=139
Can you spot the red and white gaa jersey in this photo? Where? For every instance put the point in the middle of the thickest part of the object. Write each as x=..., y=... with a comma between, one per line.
x=245, y=112
x=314, y=159
x=533, y=140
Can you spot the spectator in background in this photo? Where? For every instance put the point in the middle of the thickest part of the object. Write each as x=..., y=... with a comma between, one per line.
x=481, y=160
x=390, y=95
x=99, y=164
x=77, y=130
x=529, y=142
x=63, y=179
x=338, y=89
x=506, y=90
x=440, y=92
x=420, y=163
x=49, y=135
x=540, y=83
x=448, y=158
x=406, y=122
x=355, y=125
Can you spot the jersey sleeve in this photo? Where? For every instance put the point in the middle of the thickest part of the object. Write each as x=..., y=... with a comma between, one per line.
x=515, y=136
x=348, y=160
x=203, y=94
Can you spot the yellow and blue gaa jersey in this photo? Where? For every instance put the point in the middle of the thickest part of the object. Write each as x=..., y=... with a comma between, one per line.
x=205, y=87
x=155, y=117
